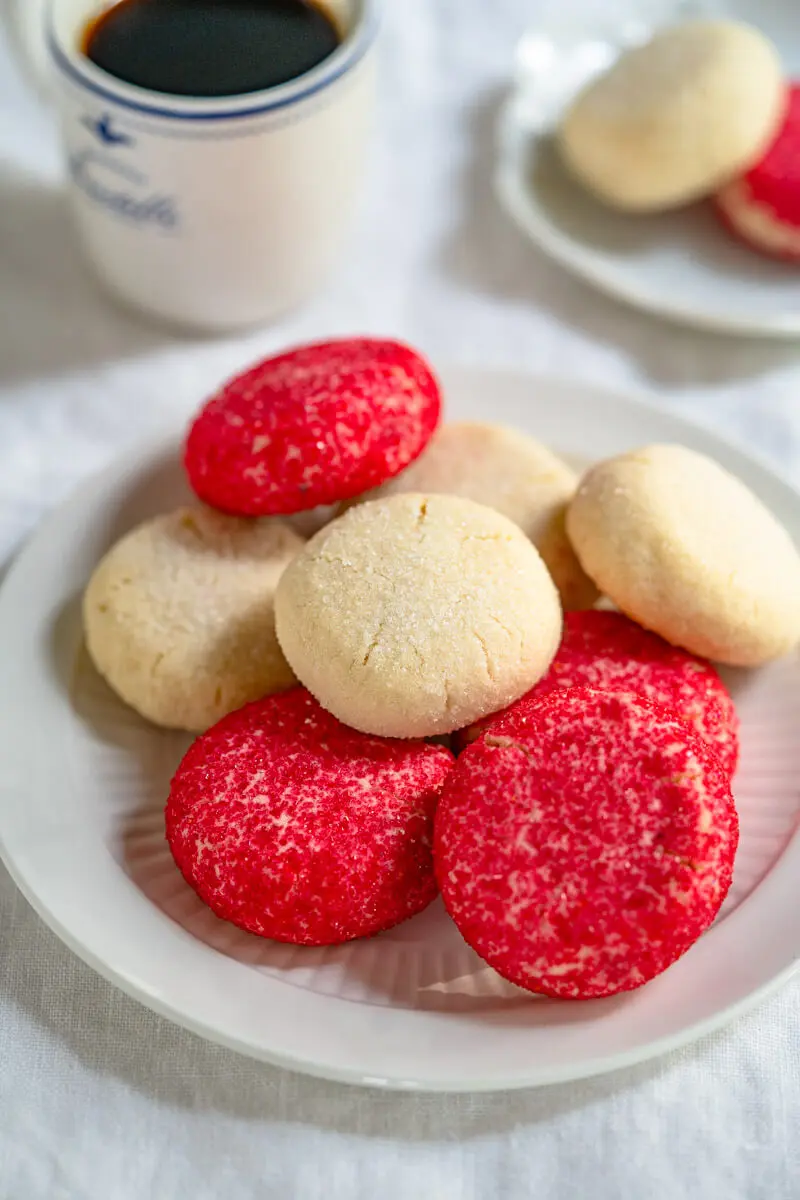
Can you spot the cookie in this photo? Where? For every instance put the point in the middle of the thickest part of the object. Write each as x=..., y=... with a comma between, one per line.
x=677, y=118
x=415, y=615
x=583, y=850
x=179, y=615
x=762, y=207
x=608, y=652
x=512, y=473
x=685, y=549
x=312, y=427
x=296, y=828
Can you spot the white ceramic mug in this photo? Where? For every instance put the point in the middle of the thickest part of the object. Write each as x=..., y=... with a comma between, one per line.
x=214, y=214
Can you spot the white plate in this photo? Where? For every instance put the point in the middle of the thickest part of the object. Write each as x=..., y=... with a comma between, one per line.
x=83, y=780
x=680, y=265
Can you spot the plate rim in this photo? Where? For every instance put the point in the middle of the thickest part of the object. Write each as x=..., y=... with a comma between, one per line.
x=511, y=192
x=356, y=1078
x=151, y=449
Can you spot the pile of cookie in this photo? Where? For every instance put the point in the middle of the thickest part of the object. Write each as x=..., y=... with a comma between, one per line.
x=700, y=111
x=480, y=676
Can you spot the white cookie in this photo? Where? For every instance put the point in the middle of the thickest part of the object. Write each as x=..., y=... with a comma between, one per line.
x=512, y=473
x=677, y=118
x=685, y=549
x=414, y=615
x=179, y=615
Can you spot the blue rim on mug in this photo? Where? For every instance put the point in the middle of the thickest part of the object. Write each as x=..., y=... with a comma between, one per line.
x=84, y=73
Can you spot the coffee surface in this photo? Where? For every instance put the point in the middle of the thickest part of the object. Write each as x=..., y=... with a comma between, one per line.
x=210, y=47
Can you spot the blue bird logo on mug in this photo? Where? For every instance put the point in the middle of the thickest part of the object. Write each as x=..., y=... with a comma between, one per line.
x=103, y=130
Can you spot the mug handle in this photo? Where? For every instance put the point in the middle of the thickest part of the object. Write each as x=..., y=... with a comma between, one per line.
x=25, y=25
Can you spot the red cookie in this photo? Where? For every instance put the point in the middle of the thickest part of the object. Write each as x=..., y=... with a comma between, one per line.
x=762, y=207
x=314, y=426
x=606, y=650
x=582, y=849
x=296, y=828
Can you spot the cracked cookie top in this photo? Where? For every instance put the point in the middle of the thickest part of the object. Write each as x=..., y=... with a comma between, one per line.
x=417, y=614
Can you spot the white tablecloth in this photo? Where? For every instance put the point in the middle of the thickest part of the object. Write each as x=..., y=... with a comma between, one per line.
x=101, y=1100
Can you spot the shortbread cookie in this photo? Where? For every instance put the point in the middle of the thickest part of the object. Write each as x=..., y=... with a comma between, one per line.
x=313, y=426
x=762, y=207
x=296, y=828
x=415, y=615
x=582, y=852
x=685, y=549
x=179, y=615
x=508, y=471
x=608, y=652
x=675, y=119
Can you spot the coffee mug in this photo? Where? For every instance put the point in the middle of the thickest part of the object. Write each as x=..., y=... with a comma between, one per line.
x=213, y=214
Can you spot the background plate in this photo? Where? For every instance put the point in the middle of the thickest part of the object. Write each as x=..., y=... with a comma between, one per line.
x=83, y=781
x=680, y=265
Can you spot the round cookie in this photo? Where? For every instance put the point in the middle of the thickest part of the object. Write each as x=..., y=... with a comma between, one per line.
x=675, y=119
x=312, y=427
x=608, y=652
x=296, y=828
x=415, y=615
x=583, y=851
x=508, y=471
x=179, y=615
x=762, y=207
x=685, y=549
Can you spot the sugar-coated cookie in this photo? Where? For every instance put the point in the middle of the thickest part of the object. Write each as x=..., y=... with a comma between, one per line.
x=685, y=549
x=762, y=207
x=415, y=615
x=179, y=615
x=296, y=828
x=311, y=427
x=583, y=851
x=675, y=119
x=511, y=472
x=608, y=652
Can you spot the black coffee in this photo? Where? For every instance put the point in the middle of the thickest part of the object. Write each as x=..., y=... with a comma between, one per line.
x=210, y=47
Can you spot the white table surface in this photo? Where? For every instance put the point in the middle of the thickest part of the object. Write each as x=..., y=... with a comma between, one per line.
x=101, y=1100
